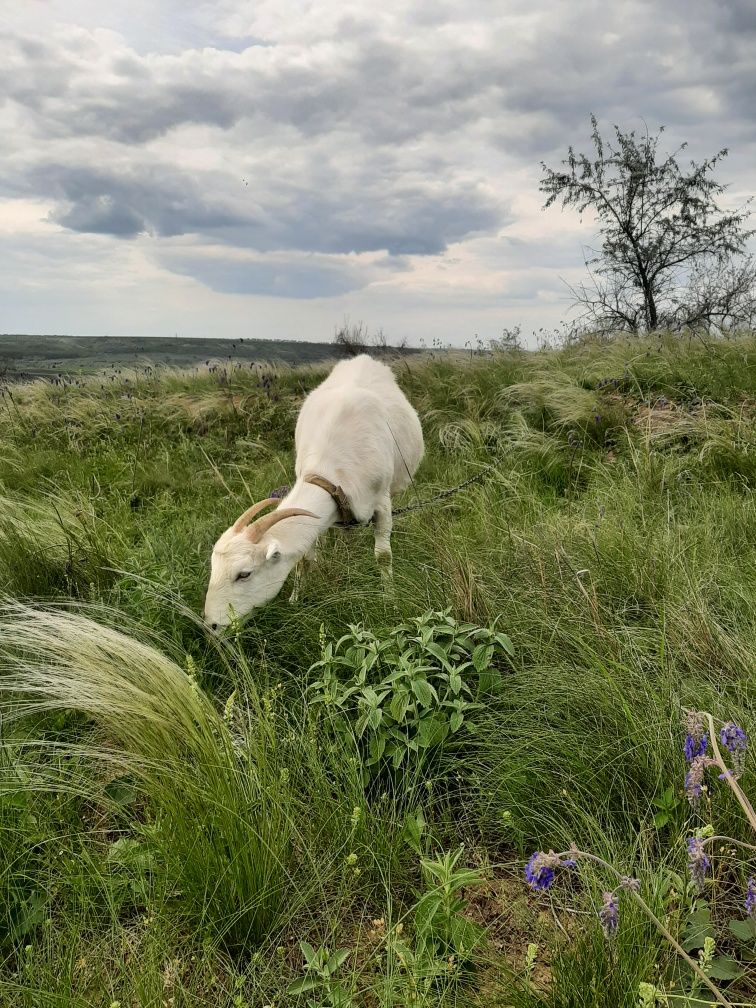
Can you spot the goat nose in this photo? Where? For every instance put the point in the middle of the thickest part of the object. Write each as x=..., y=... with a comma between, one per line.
x=213, y=626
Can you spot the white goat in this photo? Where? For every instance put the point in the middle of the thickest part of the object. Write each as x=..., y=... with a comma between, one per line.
x=358, y=441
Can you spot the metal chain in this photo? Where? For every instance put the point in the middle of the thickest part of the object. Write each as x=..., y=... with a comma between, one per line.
x=282, y=491
x=443, y=495
x=426, y=503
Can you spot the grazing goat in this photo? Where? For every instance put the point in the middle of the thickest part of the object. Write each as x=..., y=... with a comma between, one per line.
x=358, y=441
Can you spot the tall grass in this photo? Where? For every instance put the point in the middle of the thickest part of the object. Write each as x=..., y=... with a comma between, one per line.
x=218, y=813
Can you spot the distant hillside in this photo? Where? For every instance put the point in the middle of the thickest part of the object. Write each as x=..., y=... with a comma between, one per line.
x=45, y=356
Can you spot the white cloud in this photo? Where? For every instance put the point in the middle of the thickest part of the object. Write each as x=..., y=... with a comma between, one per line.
x=265, y=159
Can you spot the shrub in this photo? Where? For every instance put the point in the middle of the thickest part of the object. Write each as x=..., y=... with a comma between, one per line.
x=404, y=695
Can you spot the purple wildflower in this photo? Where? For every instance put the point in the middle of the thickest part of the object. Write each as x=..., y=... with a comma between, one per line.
x=609, y=915
x=695, y=735
x=698, y=862
x=695, y=746
x=735, y=740
x=539, y=871
x=538, y=874
x=750, y=900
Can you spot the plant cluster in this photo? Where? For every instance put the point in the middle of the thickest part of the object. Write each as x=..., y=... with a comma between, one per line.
x=541, y=869
x=401, y=697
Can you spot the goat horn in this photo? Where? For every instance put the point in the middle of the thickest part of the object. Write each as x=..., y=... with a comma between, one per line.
x=261, y=526
x=241, y=523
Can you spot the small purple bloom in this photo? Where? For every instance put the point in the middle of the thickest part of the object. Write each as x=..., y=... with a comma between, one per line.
x=733, y=737
x=735, y=740
x=538, y=874
x=698, y=862
x=609, y=915
x=695, y=746
x=539, y=871
x=750, y=900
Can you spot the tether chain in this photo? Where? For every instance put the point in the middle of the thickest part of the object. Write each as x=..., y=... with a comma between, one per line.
x=282, y=491
x=441, y=496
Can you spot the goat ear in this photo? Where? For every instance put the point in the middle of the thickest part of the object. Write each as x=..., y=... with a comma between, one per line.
x=273, y=551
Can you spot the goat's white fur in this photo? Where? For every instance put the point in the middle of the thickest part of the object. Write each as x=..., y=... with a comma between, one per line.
x=357, y=430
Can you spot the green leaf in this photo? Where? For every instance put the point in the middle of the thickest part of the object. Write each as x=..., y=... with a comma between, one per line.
x=120, y=793
x=303, y=985
x=399, y=705
x=377, y=747
x=490, y=681
x=661, y=819
x=455, y=722
x=424, y=692
x=29, y=914
x=431, y=732
x=482, y=656
x=337, y=959
x=425, y=911
x=666, y=801
x=505, y=643
x=369, y=697
x=309, y=953
x=438, y=652
x=697, y=928
x=725, y=968
x=374, y=718
x=744, y=930
x=464, y=935
x=127, y=852
x=412, y=831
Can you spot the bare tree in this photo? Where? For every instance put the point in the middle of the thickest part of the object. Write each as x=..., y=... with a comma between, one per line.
x=669, y=256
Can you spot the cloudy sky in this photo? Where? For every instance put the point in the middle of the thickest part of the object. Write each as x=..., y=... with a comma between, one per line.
x=268, y=167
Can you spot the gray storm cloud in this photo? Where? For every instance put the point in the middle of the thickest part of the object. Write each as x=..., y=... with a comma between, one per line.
x=328, y=131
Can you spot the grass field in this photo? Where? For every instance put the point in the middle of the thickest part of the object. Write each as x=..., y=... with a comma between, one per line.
x=275, y=818
x=29, y=357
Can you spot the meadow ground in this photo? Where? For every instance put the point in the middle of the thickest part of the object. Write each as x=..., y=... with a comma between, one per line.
x=275, y=818
x=28, y=357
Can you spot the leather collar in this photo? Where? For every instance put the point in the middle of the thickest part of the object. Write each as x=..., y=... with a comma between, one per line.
x=339, y=497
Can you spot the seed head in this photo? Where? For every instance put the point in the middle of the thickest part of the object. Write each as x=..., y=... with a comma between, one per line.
x=698, y=862
x=631, y=884
x=609, y=915
x=750, y=900
x=694, y=724
x=694, y=777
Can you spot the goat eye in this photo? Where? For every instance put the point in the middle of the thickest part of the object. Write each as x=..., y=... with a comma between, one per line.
x=243, y=575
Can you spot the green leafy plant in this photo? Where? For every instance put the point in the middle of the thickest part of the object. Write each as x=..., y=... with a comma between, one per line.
x=667, y=804
x=443, y=940
x=403, y=695
x=321, y=967
x=440, y=925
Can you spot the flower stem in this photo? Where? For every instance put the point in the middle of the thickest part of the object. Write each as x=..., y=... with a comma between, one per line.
x=728, y=776
x=575, y=853
x=728, y=839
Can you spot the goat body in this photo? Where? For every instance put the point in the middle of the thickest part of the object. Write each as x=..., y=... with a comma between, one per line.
x=356, y=430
